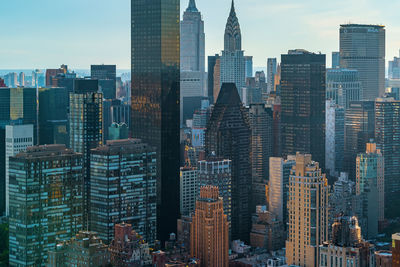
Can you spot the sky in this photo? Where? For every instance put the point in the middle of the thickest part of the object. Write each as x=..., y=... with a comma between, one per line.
x=48, y=33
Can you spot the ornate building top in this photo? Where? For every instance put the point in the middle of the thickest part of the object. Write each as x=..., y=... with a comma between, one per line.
x=233, y=37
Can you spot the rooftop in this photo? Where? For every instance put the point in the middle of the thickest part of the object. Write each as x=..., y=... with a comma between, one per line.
x=351, y=25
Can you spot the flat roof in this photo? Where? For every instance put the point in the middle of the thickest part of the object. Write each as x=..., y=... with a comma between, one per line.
x=362, y=26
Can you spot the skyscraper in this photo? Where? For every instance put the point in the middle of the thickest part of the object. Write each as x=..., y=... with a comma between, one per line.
x=303, y=104
x=228, y=136
x=387, y=136
x=212, y=60
x=271, y=71
x=362, y=47
x=248, y=66
x=394, y=68
x=107, y=77
x=308, y=212
x=209, y=236
x=261, y=120
x=233, y=68
x=123, y=188
x=189, y=189
x=85, y=127
x=396, y=250
x=155, y=98
x=335, y=60
x=45, y=202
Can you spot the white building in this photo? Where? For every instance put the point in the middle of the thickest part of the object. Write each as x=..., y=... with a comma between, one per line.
x=18, y=138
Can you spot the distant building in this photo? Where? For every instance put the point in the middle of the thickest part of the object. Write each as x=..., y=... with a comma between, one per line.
x=212, y=64
x=209, y=230
x=248, y=61
x=362, y=47
x=335, y=60
x=343, y=86
x=18, y=139
x=21, y=79
x=107, y=78
x=123, y=188
x=189, y=188
x=51, y=75
x=44, y=174
x=228, y=136
x=118, y=131
x=200, y=120
x=308, y=212
x=128, y=249
x=383, y=258
x=271, y=71
x=396, y=250
x=394, y=68
x=303, y=104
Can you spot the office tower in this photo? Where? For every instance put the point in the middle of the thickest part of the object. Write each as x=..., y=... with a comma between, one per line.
x=218, y=172
x=11, y=79
x=209, y=229
x=155, y=98
x=107, y=77
x=115, y=111
x=2, y=83
x=271, y=71
x=383, y=258
x=115, y=196
x=189, y=189
x=335, y=60
x=118, y=131
x=200, y=120
x=248, y=61
x=308, y=212
x=21, y=79
x=53, y=116
x=45, y=201
x=232, y=59
x=347, y=248
x=128, y=248
x=343, y=86
x=85, y=249
x=192, y=93
x=276, y=128
x=228, y=136
x=212, y=60
x=334, y=138
x=303, y=104
x=277, y=82
x=18, y=138
x=370, y=188
x=396, y=250
x=267, y=231
x=342, y=198
x=279, y=172
x=359, y=129
x=387, y=136
x=51, y=75
x=394, y=68
x=261, y=120
x=253, y=92
x=217, y=79
x=362, y=47
x=85, y=128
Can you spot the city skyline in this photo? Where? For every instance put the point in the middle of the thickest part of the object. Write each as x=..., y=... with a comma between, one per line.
x=317, y=29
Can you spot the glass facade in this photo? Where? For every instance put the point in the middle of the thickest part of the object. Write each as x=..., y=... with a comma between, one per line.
x=155, y=97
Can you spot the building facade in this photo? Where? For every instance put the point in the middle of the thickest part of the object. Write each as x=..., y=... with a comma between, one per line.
x=271, y=71
x=155, y=98
x=189, y=188
x=396, y=250
x=46, y=197
x=308, y=212
x=107, y=78
x=123, y=188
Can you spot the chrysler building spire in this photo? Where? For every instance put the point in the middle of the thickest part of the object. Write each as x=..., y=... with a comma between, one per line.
x=233, y=37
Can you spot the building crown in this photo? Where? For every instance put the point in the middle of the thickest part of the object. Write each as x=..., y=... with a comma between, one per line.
x=233, y=36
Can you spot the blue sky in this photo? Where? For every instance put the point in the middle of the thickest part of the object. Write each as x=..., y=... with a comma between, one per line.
x=47, y=33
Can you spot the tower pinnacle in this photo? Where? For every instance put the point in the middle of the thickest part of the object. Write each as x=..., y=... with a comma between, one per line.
x=192, y=6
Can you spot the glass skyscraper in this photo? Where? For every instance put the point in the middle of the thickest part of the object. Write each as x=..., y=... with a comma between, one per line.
x=155, y=97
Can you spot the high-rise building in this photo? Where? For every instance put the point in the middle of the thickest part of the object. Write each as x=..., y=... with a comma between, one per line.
x=383, y=258
x=308, y=212
x=334, y=138
x=51, y=74
x=303, y=104
x=228, y=136
x=396, y=250
x=115, y=111
x=359, y=129
x=217, y=79
x=271, y=71
x=200, y=120
x=335, y=60
x=45, y=201
x=394, y=68
x=343, y=86
x=279, y=172
x=261, y=120
x=362, y=47
x=212, y=60
x=387, y=136
x=233, y=67
x=107, y=78
x=248, y=61
x=155, y=98
x=189, y=189
x=85, y=127
x=21, y=79
x=218, y=172
x=370, y=188
x=209, y=236
x=18, y=139
x=123, y=188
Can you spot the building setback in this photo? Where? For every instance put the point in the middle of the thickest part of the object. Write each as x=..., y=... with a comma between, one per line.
x=46, y=198
x=123, y=188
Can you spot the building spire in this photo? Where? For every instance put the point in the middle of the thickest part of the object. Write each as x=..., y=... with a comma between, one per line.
x=192, y=6
x=233, y=6
x=233, y=37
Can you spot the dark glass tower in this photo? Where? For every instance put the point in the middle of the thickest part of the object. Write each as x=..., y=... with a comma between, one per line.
x=155, y=97
x=107, y=77
x=228, y=136
x=303, y=104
